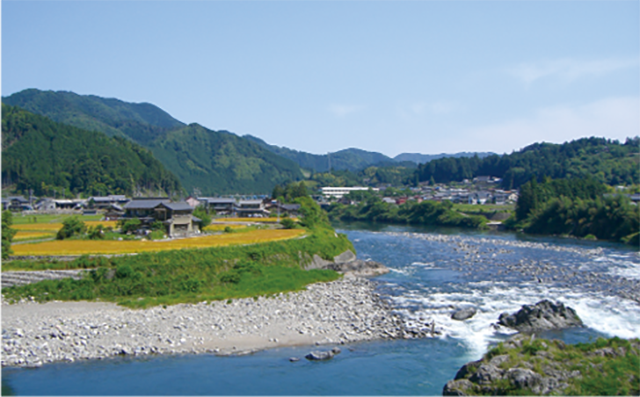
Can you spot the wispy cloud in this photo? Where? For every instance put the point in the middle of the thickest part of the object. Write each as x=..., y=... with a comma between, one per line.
x=568, y=70
x=614, y=118
x=344, y=110
x=439, y=107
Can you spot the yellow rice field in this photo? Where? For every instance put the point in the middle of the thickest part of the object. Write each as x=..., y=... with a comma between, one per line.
x=221, y=227
x=81, y=247
x=29, y=235
x=263, y=220
x=54, y=227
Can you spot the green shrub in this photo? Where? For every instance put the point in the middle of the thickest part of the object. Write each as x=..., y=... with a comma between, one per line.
x=288, y=223
x=130, y=225
x=7, y=233
x=71, y=227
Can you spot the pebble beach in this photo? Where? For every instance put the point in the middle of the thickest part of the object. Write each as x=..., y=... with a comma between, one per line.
x=337, y=312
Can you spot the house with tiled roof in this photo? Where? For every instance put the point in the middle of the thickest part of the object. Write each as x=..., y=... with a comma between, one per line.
x=177, y=217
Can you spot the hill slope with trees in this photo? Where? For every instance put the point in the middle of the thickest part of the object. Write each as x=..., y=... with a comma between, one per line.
x=141, y=122
x=610, y=162
x=213, y=162
x=43, y=155
x=219, y=162
x=348, y=159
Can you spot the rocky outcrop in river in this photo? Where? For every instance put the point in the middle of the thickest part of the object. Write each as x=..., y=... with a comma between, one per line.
x=524, y=365
x=544, y=315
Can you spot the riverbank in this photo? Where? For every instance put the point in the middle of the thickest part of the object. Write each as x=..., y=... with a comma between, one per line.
x=337, y=312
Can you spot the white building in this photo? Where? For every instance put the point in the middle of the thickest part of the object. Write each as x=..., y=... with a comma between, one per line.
x=338, y=192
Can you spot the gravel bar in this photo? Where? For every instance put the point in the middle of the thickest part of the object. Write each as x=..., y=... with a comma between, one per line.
x=337, y=312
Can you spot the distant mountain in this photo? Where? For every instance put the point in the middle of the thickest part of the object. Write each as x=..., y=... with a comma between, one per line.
x=348, y=159
x=425, y=158
x=40, y=154
x=141, y=122
x=219, y=162
x=214, y=162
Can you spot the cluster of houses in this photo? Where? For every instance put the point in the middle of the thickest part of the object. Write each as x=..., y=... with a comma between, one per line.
x=176, y=216
x=493, y=196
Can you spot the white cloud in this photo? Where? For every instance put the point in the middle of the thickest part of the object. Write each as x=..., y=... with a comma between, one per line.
x=344, y=110
x=408, y=112
x=568, y=70
x=613, y=118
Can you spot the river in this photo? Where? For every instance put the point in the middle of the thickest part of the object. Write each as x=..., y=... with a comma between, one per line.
x=433, y=271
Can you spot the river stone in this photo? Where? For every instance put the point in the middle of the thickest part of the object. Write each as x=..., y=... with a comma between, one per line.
x=317, y=263
x=544, y=315
x=463, y=314
x=523, y=378
x=345, y=257
x=486, y=373
x=318, y=355
x=458, y=387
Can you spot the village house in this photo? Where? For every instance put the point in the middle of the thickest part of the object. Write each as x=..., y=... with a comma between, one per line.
x=221, y=205
x=106, y=202
x=251, y=208
x=479, y=197
x=177, y=217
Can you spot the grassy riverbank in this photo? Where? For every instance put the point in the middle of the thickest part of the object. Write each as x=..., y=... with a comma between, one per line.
x=194, y=275
x=526, y=366
x=189, y=275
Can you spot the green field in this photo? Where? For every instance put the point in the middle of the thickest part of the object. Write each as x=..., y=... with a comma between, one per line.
x=21, y=219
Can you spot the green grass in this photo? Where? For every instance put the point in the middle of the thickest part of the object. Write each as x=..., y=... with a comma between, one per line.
x=25, y=219
x=600, y=375
x=188, y=275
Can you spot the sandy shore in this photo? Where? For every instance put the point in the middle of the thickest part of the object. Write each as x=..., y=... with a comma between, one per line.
x=326, y=313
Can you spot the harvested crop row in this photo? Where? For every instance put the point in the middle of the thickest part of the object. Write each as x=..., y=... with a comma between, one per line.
x=57, y=226
x=81, y=247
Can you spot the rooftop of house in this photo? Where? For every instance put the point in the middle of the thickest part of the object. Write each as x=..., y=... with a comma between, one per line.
x=144, y=204
x=178, y=206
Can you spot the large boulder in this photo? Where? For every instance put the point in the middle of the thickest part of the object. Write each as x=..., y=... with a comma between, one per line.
x=463, y=314
x=544, y=315
x=359, y=268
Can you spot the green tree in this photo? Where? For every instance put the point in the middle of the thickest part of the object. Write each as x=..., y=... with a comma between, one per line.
x=129, y=225
x=71, y=227
x=7, y=233
x=201, y=212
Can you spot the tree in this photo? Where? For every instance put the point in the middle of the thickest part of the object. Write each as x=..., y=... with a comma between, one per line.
x=201, y=212
x=7, y=234
x=71, y=227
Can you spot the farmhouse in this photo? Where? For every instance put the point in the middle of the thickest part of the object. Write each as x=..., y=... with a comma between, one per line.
x=177, y=217
x=251, y=208
x=220, y=205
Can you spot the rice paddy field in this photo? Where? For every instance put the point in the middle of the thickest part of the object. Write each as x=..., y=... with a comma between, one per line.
x=258, y=220
x=221, y=227
x=85, y=247
x=53, y=227
x=19, y=219
x=22, y=235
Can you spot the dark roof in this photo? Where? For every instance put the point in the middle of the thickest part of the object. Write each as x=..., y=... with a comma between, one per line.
x=179, y=206
x=195, y=219
x=18, y=198
x=290, y=207
x=142, y=204
x=218, y=200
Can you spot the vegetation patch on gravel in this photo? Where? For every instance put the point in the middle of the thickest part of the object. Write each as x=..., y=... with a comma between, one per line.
x=527, y=366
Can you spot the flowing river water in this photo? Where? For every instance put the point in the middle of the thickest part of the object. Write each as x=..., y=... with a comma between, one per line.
x=433, y=272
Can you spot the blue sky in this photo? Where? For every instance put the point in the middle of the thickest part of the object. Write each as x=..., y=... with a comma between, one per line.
x=392, y=77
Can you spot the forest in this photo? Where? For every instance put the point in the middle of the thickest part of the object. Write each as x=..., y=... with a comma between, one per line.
x=578, y=207
x=49, y=157
x=608, y=161
x=426, y=213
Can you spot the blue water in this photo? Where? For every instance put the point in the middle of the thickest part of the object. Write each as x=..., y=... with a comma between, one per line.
x=433, y=272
